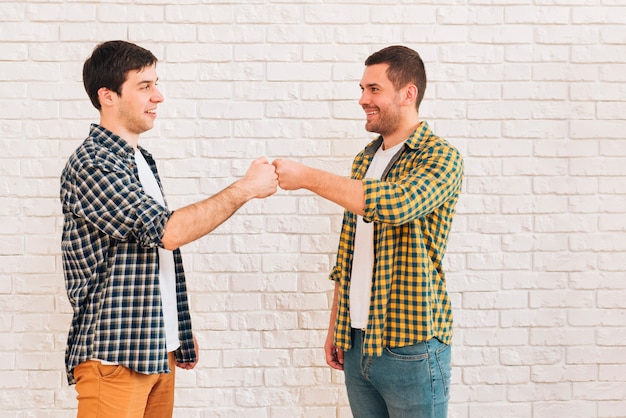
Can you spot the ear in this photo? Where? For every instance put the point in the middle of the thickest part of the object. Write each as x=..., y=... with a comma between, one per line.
x=410, y=94
x=105, y=96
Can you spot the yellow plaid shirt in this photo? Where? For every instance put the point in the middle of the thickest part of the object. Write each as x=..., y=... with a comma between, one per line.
x=412, y=207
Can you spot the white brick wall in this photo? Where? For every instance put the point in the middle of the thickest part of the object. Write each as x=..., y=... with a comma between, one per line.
x=532, y=92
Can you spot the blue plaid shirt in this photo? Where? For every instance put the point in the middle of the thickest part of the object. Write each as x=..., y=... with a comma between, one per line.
x=111, y=233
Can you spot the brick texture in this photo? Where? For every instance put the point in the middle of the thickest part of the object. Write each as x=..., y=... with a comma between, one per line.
x=533, y=93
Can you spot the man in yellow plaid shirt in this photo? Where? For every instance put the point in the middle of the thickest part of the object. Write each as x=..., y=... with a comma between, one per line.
x=391, y=320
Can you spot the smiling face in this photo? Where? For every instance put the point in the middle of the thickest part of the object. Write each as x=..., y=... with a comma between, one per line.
x=136, y=106
x=134, y=110
x=380, y=101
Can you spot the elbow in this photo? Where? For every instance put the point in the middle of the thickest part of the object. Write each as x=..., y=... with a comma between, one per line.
x=353, y=207
x=169, y=244
x=169, y=241
x=359, y=211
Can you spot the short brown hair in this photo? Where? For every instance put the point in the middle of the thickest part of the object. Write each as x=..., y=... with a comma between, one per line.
x=109, y=64
x=405, y=66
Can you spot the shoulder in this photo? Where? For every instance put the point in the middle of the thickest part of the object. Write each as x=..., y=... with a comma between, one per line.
x=433, y=145
x=438, y=145
x=92, y=154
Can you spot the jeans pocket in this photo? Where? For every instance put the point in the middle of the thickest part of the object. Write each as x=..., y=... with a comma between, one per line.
x=443, y=355
x=414, y=352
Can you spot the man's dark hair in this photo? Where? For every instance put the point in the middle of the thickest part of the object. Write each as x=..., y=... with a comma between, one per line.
x=405, y=66
x=109, y=64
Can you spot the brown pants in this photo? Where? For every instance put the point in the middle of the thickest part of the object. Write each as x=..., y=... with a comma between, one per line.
x=110, y=391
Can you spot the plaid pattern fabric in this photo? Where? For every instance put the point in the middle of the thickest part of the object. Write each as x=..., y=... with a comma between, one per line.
x=412, y=209
x=111, y=233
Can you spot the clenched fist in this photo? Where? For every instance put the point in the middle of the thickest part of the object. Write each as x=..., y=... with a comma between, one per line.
x=291, y=175
x=260, y=180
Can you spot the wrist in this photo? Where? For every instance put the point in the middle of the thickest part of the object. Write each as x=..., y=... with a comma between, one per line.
x=312, y=179
x=240, y=191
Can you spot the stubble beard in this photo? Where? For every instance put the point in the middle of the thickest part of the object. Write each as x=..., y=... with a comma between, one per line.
x=135, y=123
x=388, y=123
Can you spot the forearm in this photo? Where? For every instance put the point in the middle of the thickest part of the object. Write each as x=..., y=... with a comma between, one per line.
x=198, y=219
x=334, y=356
x=345, y=192
x=333, y=310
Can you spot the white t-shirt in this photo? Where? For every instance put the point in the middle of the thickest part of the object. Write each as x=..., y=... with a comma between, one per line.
x=167, y=271
x=363, y=257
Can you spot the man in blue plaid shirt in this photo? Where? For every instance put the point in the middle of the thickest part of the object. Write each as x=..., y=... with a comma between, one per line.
x=123, y=269
x=391, y=320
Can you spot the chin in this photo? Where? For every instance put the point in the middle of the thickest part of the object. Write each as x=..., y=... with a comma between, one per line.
x=370, y=128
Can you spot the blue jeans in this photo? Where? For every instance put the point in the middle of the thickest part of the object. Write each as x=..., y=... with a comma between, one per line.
x=405, y=382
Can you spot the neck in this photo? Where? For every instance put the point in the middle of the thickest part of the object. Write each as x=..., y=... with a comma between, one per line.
x=119, y=130
x=400, y=134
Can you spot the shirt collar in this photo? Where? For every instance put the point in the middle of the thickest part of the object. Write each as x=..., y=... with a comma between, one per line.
x=111, y=141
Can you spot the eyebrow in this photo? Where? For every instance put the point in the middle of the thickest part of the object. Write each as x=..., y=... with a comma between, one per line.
x=370, y=85
x=148, y=82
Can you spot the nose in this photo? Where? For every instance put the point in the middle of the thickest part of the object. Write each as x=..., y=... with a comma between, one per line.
x=364, y=98
x=157, y=97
